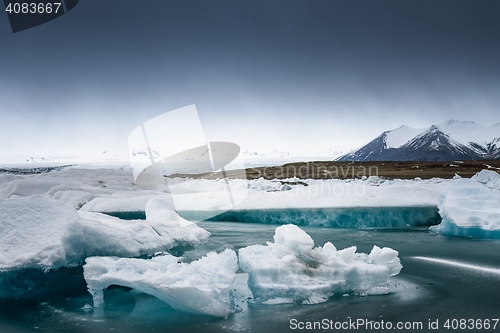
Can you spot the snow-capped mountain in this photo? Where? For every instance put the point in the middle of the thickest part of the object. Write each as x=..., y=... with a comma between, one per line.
x=377, y=149
x=452, y=140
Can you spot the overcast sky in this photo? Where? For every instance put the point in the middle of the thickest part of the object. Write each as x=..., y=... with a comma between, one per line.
x=294, y=75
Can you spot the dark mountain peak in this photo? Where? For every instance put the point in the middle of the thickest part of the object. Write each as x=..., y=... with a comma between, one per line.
x=432, y=139
x=372, y=151
x=433, y=129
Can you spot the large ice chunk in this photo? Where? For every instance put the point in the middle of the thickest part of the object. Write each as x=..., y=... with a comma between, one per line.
x=162, y=230
x=471, y=207
x=203, y=286
x=291, y=270
x=38, y=233
x=489, y=178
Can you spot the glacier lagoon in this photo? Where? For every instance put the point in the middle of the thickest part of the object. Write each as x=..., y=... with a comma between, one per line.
x=443, y=277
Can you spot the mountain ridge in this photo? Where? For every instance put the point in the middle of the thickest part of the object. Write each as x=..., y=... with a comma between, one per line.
x=451, y=140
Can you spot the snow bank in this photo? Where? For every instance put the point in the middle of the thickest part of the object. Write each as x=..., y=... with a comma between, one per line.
x=333, y=203
x=368, y=202
x=203, y=286
x=332, y=193
x=292, y=270
x=471, y=207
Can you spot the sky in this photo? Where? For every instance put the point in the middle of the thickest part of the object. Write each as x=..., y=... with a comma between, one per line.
x=303, y=76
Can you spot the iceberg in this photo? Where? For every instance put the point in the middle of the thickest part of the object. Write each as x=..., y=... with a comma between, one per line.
x=37, y=232
x=291, y=270
x=202, y=286
x=471, y=207
x=43, y=240
x=38, y=235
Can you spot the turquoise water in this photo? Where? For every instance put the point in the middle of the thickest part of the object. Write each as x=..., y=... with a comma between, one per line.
x=351, y=217
x=424, y=290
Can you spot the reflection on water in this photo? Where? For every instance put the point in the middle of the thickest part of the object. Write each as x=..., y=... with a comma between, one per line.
x=425, y=289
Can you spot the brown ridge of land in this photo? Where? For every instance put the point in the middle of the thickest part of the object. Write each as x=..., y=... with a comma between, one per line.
x=389, y=170
x=351, y=170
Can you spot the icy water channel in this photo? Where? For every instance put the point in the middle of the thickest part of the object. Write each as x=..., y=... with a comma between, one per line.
x=443, y=278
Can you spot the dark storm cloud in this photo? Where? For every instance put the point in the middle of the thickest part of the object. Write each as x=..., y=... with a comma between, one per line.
x=122, y=62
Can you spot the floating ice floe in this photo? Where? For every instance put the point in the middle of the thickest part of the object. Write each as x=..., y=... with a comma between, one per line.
x=291, y=270
x=471, y=207
x=203, y=286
